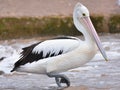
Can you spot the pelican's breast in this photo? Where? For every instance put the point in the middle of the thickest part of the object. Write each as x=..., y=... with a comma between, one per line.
x=73, y=59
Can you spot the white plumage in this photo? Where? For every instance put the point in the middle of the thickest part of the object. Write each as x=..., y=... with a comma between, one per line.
x=61, y=54
x=55, y=46
x=73, y=56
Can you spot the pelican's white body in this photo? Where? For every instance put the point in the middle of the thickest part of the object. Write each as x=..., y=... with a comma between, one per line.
x=75, y=51
x=82, y=53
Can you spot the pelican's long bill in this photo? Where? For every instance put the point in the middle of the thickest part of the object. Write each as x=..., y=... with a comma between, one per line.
x=91, y=28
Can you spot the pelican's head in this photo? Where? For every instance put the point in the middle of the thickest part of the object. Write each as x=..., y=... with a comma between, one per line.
x=82, y=21
x=81, y=11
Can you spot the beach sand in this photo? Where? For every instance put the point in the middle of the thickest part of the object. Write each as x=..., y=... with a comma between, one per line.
x=95, y=75
x=40, y=8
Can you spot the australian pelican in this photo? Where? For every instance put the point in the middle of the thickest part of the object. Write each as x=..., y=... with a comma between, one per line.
x=60, y=54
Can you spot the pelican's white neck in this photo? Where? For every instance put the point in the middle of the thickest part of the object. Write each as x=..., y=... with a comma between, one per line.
x=87, y=35
x=83, y=24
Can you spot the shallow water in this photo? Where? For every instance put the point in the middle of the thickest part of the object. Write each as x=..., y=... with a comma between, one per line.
x=95, y=75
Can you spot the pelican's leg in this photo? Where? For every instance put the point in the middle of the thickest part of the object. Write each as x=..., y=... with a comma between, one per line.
x=64, y=79
x=58, y=81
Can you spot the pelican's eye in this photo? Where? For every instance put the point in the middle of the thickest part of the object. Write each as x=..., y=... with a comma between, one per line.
x=83, y=14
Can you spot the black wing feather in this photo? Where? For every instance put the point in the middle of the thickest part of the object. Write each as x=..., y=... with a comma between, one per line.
x=28, y=57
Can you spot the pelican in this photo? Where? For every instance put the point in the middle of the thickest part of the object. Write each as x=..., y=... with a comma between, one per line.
x=56, y=55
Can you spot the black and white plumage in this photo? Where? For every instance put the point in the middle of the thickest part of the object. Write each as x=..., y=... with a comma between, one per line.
x=57, y=55
x=46, y=49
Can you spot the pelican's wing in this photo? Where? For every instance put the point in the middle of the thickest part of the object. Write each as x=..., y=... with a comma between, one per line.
x=46, y=49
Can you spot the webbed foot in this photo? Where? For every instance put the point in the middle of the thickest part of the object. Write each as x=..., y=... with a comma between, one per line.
x=60, y=78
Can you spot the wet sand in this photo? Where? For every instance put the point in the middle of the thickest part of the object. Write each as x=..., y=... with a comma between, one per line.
x=95, y=75
x=103, y=76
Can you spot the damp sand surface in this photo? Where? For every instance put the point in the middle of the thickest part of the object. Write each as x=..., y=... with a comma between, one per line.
x=95, y=75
